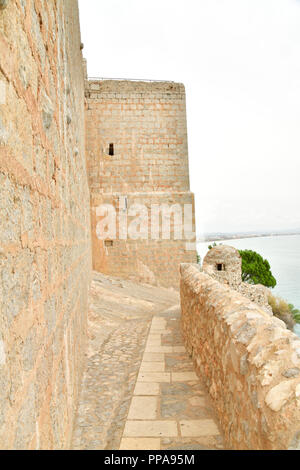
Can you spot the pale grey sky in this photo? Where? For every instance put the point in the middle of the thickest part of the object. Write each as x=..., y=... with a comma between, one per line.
x=239, y=61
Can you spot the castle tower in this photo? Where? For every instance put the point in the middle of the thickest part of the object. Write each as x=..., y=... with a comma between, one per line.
x=224, y=262
x=138, y=158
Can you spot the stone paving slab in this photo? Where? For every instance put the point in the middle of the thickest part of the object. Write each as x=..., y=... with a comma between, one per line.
x=143, y=428
x=154, y=377
x=179, y=412
x=152, y=367
x=145, y=389
x=197, y=428
x=140, y=443
x=190, y=408
x=151, y=357
x=143, y=408
x=139, y=390
x=190, y=443
x=119, y=319
x=183, y=376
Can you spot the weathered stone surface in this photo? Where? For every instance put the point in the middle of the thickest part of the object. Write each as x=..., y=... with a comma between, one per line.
x=45, y=254
x=2, y=354
x=116, y=341
x=250, y=370
x=193, y=428
x=279, y=395
x=244, y=365
x=146, y=124
x=224, y=263
x=140, y=443
x=246, y=333
x=112, y=413
x=291, y=373
x=295, y=442
x=26, y=420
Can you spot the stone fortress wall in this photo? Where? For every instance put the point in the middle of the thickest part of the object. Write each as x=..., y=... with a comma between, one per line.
x=249, y=361
x=45, y=248
x=145, y=122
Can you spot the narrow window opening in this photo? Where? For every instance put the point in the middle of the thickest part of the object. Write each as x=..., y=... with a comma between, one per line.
x=111, y=151
x=220, y=267
x=109, y=243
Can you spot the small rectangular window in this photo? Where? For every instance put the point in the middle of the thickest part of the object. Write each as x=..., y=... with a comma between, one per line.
x=109, y=243
x=111, y=151
x=220, y=267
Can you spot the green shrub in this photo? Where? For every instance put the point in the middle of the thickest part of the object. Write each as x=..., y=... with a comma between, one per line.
x=295, y=312
x=284, y=311
x=255, y=269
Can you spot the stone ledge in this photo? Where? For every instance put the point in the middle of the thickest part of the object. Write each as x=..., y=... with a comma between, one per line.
x=135, y=87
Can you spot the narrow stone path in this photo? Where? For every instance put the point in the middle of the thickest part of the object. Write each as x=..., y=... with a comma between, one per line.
x=170, y=408
x=139, y=390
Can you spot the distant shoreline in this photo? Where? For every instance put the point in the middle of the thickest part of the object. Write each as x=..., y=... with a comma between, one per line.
x=223, y=237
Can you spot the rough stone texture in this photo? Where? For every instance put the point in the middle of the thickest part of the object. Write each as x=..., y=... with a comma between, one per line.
x=257, y=293
x=45, y=255
x=146, y=123
x=134, y=394
x=249, y=362
x=224, y=263
x=119, y=317
x=170, y=403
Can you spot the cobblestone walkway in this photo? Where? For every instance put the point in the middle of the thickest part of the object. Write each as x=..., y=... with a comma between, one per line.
x=139, y=390
x=170, y=408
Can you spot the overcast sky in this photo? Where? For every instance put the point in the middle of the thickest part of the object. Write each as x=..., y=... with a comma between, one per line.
x=240, y=63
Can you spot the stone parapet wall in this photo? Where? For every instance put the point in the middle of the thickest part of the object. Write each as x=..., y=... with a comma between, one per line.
x=45, y=247
x=256, y=293
x=230, y=260
x=249, y=361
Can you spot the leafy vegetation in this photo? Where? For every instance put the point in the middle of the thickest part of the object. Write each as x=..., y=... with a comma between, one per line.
x=213, y=245
x=256, y=270
x=284, y=311
x=295, y=312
